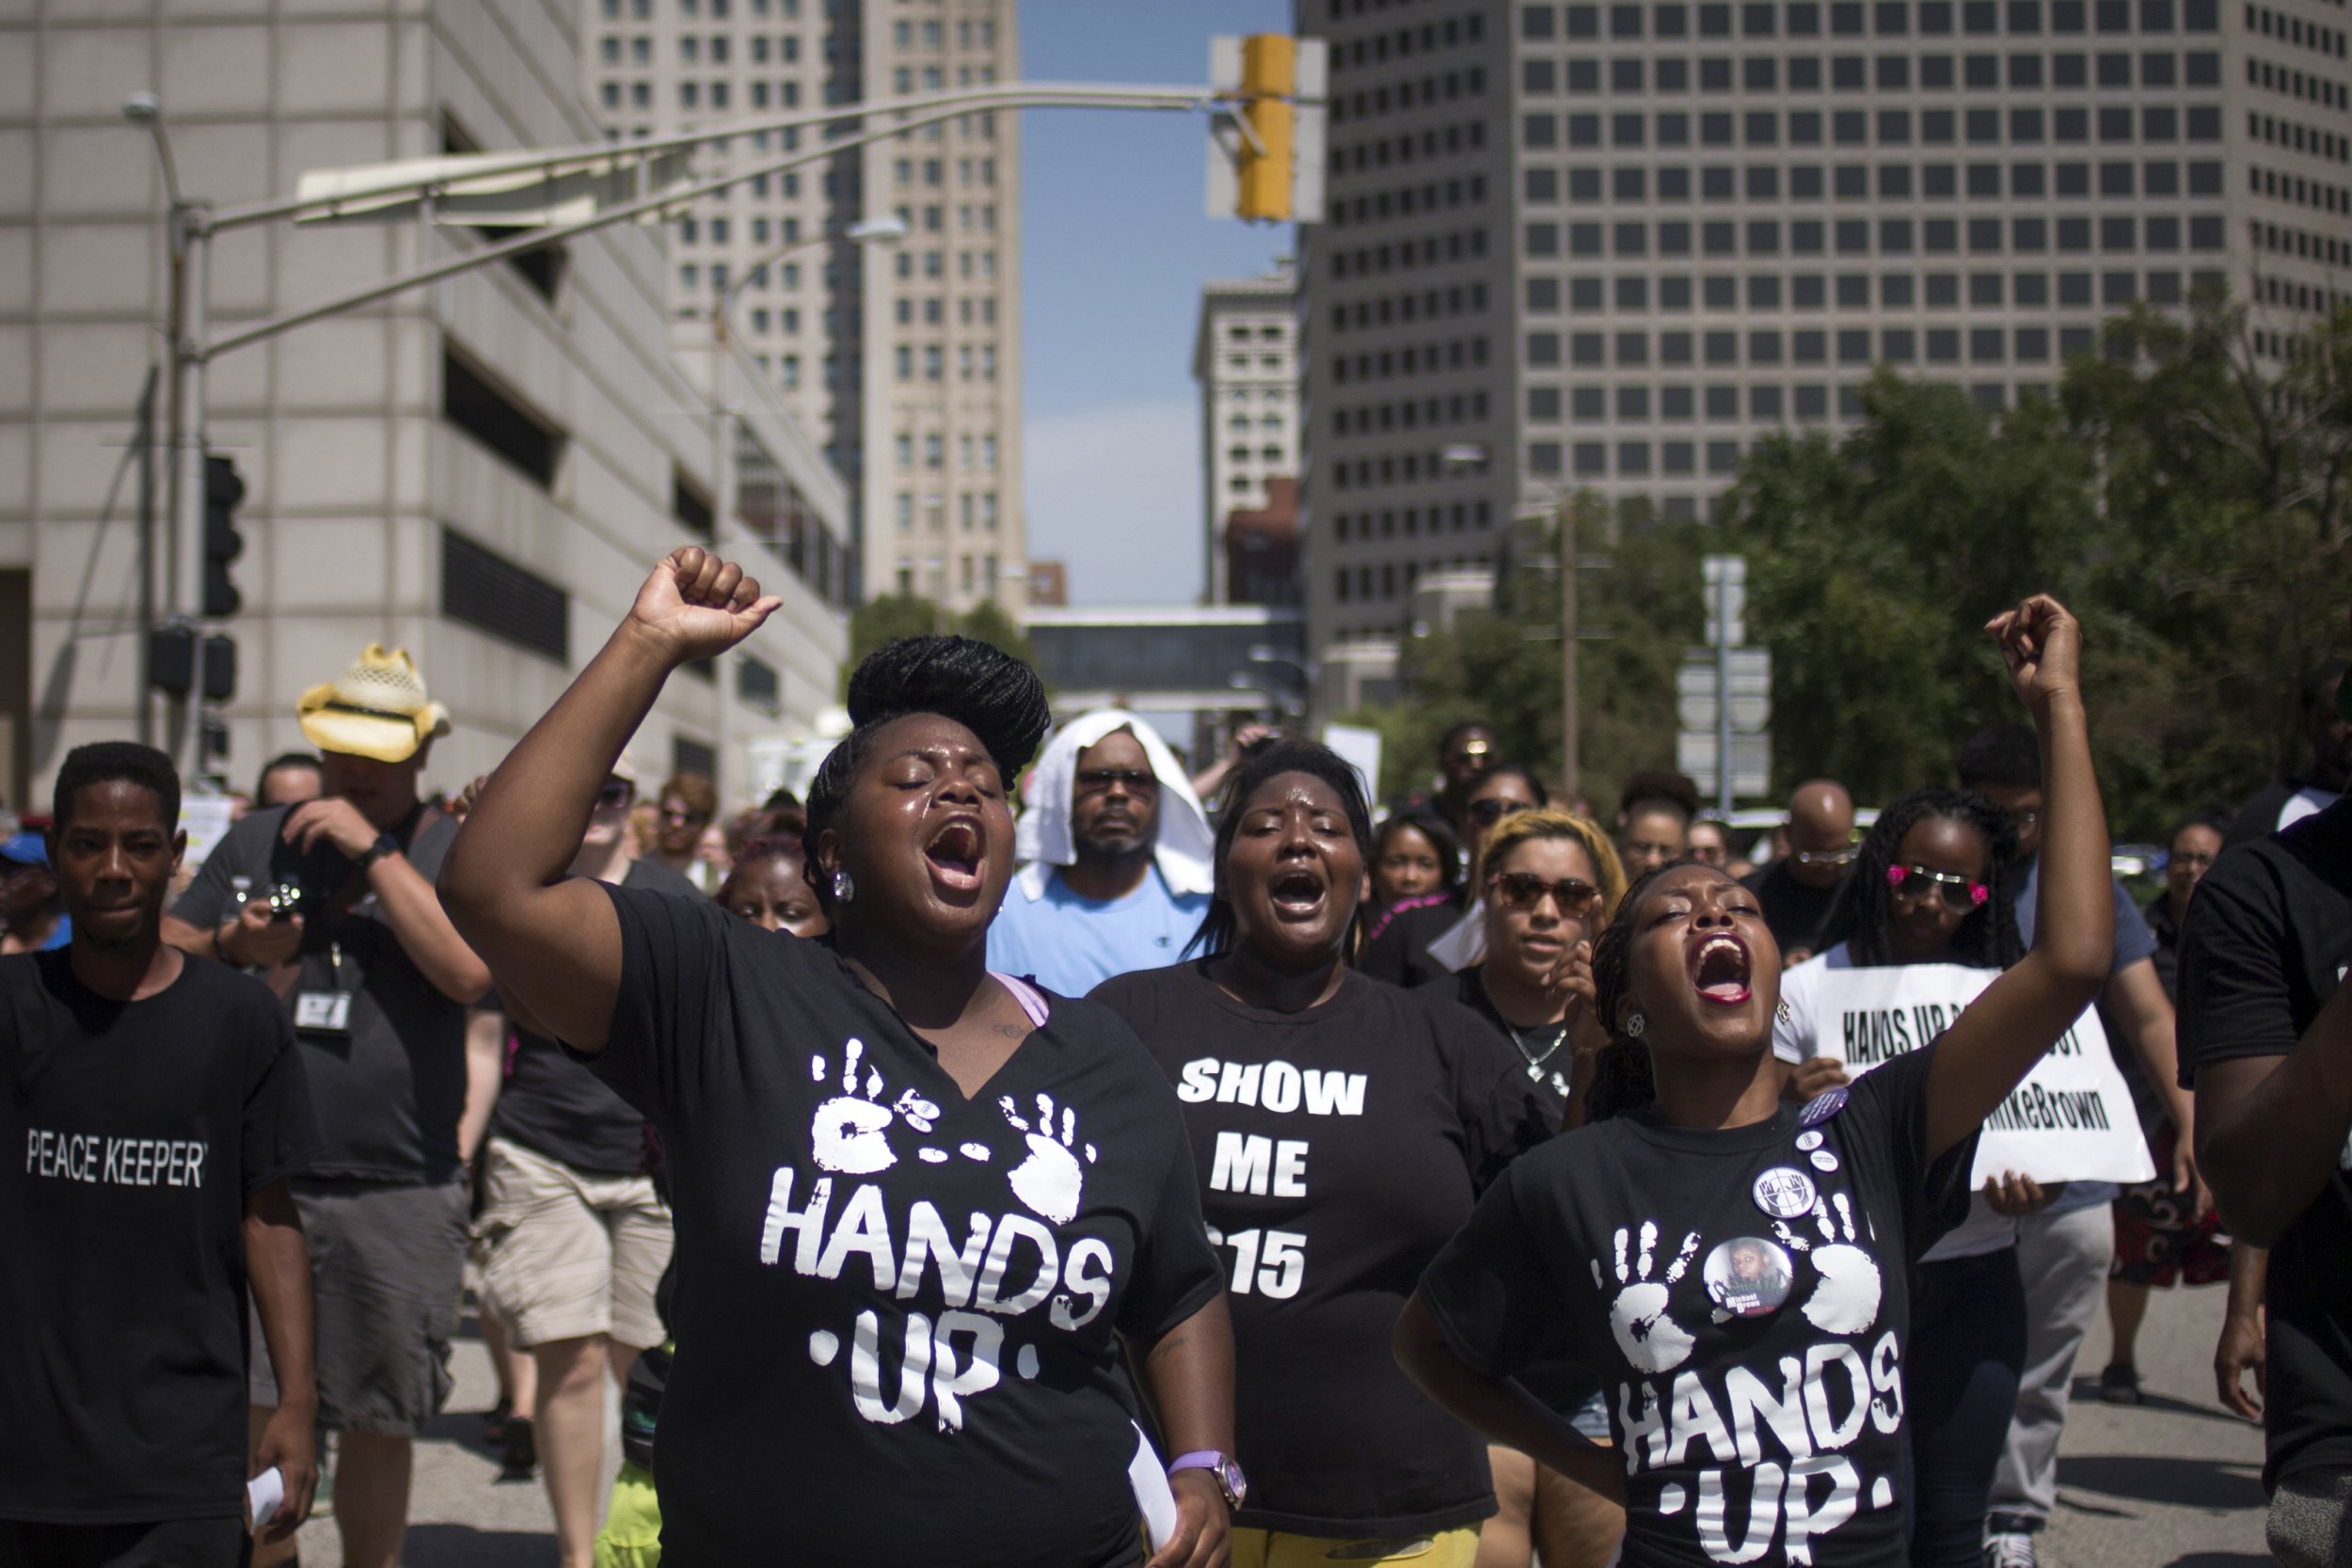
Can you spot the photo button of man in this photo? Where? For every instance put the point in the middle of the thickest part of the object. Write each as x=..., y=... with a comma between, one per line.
x=160, y=1106
x=338, y=912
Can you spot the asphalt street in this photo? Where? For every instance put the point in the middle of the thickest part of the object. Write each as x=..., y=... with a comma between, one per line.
x=2173, y=1483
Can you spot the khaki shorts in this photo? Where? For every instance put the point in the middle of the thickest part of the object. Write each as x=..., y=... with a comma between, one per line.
x=565, y=1254
x=386, y=1266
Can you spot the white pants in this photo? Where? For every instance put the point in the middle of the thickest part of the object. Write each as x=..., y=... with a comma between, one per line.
x=2064, y=1259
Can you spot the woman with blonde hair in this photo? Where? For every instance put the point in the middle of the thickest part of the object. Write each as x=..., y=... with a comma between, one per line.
x=1548, y=881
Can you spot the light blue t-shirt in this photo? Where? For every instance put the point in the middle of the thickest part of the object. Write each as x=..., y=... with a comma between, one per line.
x=1071, y=944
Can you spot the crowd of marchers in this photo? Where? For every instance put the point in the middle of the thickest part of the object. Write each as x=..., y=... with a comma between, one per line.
x=1019, y=1149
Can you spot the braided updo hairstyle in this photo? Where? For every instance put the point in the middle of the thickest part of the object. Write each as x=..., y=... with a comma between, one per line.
x=1987, y=939
x=987, y=692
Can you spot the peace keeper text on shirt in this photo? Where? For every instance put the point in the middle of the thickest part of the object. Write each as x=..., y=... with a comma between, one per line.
x=101, y=1158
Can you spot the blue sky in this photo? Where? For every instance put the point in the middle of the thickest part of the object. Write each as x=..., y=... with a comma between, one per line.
x=1116, y=245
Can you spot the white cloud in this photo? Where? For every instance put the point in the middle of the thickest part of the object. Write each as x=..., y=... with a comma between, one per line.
x=1115, y=493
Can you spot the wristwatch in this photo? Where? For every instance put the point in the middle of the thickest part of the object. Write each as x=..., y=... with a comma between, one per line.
x=385, y=845
x=1223, y=1467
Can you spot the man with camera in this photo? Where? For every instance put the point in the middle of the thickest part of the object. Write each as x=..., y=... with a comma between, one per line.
x=331, y=901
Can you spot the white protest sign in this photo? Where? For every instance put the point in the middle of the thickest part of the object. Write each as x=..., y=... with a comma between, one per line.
x=2071, y=1121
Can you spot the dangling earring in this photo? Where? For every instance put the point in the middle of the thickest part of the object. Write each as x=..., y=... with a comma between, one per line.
x=844, y=887
x=1634, y=1024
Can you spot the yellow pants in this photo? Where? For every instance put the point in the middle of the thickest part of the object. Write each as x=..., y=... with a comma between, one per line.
x=631, y=1537
x=1266, y=1548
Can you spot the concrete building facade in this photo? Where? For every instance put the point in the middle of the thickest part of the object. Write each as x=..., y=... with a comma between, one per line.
x=1611, y=245
x=905, y=360
x=1245, y=359
x=482, y=471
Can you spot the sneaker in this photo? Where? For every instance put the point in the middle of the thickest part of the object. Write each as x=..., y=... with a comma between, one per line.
x=2120, y=1385
x=2010, y=1550
x=520, y=1460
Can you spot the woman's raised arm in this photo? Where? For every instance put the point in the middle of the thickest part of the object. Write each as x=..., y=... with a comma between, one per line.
x=550, y=940
x=2001, y=1035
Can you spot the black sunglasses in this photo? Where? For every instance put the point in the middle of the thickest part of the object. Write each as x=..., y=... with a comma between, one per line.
x=1524, y=890
x=616, y=792
x=1489, y=811
x=1101, y=781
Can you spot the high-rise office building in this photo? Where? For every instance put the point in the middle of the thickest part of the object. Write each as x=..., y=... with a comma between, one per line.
x=905, y=359
x=1245, y=358
x=482, y=471
x=1610, y=246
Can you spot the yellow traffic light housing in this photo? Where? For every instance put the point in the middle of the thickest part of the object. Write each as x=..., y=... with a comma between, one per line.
x=1269, y=78
x=1266, y=145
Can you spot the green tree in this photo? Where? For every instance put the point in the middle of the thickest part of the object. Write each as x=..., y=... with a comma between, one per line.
x=1638, y=604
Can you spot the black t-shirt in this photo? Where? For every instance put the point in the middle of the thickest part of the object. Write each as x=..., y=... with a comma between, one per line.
x=388, y=1092
x=1400, y=954
x=552, y=1104
x=1792, y=911
x=2266, y=942
x=1745, y=1296
x=1338, y=1148
x=143, y=1125
x=899, y=1311
x=1545, y=1055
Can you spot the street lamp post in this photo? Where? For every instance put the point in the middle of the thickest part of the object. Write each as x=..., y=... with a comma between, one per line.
x=880, y=230
x=1468, y=456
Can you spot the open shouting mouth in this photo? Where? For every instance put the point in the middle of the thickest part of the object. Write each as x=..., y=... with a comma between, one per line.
x=1296, y=894
x=956, y=853
x=1720, y=970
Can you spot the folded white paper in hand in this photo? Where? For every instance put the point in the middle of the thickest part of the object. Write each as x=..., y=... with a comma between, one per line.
x=264, y=1494
x=1147, y=1477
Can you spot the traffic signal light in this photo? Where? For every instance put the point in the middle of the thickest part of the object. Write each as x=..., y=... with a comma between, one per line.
x=1269, y=75
x=1266, y=153
x=223, y=543
x=220, y=669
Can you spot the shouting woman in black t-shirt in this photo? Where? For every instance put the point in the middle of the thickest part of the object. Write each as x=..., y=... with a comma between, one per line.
x=1736, y=1267
x=922, y=1210
x=1342, y=1134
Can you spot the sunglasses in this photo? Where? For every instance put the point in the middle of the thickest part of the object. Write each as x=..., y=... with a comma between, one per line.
x=683, y=813
x=616, y=792
x=1101, y=781
x=1487, y=812
x=1524, y=890
x=1914, y=882
x=1826, y=857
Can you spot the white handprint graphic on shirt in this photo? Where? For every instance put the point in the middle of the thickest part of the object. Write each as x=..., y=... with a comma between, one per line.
x=1051, y=1179
x=1651, y=1341
x=1846, y=1299
x=851, y=1134
x=850, y=1131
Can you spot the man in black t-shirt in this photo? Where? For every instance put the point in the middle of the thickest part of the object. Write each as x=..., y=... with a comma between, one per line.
x=333, y=900
x=2266, y=1031
x=159, y=1102
x=573, y=1237
x=1796, y=891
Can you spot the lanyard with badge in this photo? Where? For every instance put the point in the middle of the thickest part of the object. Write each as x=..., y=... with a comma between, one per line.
x=326, y=1012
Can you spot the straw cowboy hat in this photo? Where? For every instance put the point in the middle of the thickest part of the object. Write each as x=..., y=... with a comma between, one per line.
x=377, y=708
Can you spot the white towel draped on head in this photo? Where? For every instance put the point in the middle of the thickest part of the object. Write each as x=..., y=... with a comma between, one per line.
x=1186, y=851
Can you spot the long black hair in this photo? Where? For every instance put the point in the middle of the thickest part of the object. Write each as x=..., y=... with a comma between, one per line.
x=993, y=694
x=1988, y=938
x=1218, y=926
